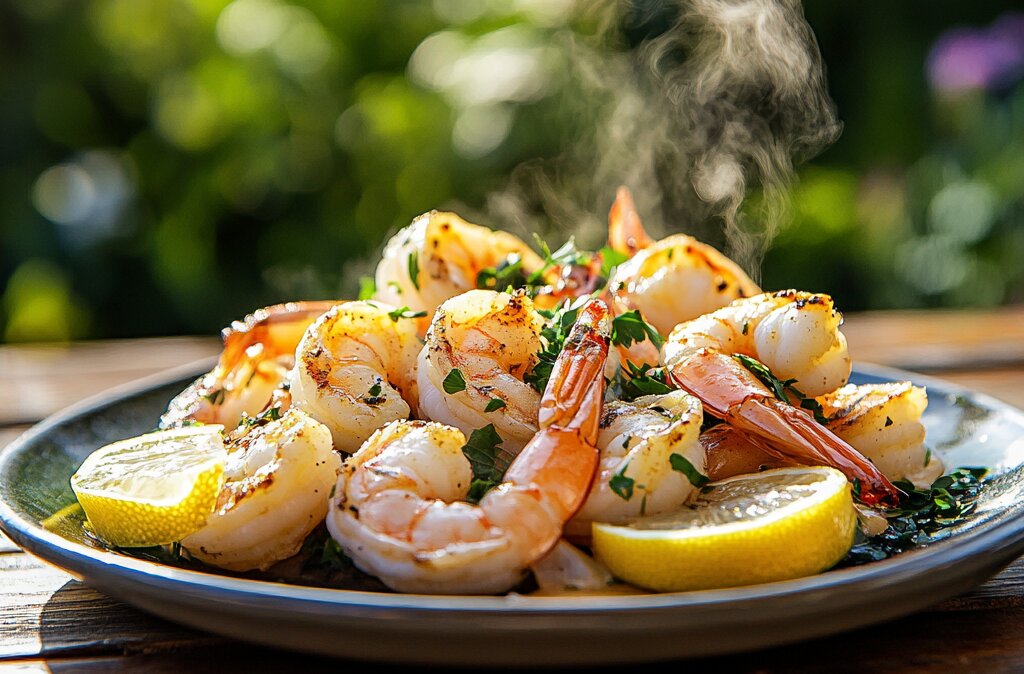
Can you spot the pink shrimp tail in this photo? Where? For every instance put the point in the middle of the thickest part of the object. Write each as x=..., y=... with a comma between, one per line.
x=730, y=392
x=626, y=233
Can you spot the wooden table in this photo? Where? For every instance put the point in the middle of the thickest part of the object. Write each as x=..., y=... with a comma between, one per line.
x=49, y=621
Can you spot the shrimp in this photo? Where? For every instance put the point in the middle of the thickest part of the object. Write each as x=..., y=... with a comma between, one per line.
x=258, y=353
x=796, y=335
x=881, y=421
x=490, y=340
x=277, y=479
x=439, y=256
x=398, y=509
x=356, y=370
x=672, y=280
x=637, y=441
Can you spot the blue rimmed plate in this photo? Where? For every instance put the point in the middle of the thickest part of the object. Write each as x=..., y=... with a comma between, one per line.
x=964, y=428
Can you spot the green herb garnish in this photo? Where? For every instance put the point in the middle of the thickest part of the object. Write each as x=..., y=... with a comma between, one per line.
x=630, y=327
x=414, y=269
x=610, y=259
x=454, y=382
x=642, y=380
x=367, y=288
x=494, y=404
x=681, y=464
x=405, y=312
x=621, y=485
x=553, y=336
x=781, y=388
x=487, y=459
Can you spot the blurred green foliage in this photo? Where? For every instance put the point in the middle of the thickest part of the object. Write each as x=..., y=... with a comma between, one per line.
x=168, y=165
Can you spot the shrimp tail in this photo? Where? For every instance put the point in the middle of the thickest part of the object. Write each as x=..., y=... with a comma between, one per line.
x=277, y=328
x=732, y=393
x=626, y=233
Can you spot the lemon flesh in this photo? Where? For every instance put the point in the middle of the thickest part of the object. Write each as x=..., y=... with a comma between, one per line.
x=776, y=525
x=153, y=489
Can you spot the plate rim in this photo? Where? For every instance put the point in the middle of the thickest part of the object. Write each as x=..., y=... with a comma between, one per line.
x=998, y=537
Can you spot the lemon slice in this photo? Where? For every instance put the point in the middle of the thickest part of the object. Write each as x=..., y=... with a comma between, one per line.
x=153, y=489
x=779, y=524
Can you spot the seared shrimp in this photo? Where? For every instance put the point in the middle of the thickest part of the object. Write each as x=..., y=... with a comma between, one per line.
x=796, y=335
x=399, y=512
x=439, y=256
x=356, y=370
x=881, y=421
x=487, y=342
x=637, y=442
x=277, y=479
x=258, y=353
x=669, y=281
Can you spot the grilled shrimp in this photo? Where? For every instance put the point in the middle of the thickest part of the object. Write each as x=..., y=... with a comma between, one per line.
x=356, y=370
x=881, y=421
x=796, y=335
x=258, y=353
x=672, y=280
x=637, y=442
x=439, y=256
x=277, y=479
x=489, y=341
x=399, y=512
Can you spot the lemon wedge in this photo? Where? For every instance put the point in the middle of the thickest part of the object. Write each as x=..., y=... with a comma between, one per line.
x=153, y=489
x=779, y=524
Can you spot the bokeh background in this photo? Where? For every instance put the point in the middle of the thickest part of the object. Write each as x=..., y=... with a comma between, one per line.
x=168, y=165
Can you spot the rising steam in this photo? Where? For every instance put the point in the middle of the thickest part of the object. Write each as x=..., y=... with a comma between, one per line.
x=696, y=106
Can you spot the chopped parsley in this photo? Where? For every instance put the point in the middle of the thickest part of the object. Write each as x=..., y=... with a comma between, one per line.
x=494, y=404
x=921, y=514
x=610, y=259
x=374, y=390
x=566, y=254
x=782, y=388
x=454, y=382
x=642, y=380
x=508, y=274
x=405, y=312
x=630, y=327
x=487, y=459
x=323, y=552
x=367, y=288
x=621, y=485
x=681, y=464
x=553, y=336
x=261, y=419
x=414, y=269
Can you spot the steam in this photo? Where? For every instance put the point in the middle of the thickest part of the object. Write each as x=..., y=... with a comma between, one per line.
x=697, y=116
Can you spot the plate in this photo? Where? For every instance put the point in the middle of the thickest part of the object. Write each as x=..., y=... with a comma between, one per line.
x=964, y=428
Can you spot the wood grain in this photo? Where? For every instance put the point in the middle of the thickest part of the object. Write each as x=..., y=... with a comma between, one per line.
x=50, y=622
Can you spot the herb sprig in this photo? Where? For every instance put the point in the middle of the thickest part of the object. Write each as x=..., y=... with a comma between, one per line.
x=921, y=514
x=553, y=336
x=488, y=460
x=782, y=388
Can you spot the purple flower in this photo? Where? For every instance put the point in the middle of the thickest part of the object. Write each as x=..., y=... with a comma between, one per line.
x=971, y=58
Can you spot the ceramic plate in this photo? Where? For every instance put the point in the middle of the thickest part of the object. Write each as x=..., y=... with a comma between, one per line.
x=964, y=428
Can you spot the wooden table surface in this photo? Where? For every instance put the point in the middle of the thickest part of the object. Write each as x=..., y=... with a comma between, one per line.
x=51, y=622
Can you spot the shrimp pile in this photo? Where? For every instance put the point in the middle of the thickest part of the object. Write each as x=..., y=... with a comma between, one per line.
x=468, y=424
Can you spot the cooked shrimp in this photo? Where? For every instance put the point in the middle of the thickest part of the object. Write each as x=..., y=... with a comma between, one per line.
x=637, y=441
x=491, y=339
x=796, y=335
x=258, y=353
x=881, y=421
x=439, y=256
x=399, y=512
x=277, y=479
x=356, y=370
x=672, y=280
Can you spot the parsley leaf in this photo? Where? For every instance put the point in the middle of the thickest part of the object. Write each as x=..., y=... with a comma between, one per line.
x=621, y=485
x=374, y=390
x=630, y=327
x=642, y=380
x=367, y=288
x=779, y=387
x=487, y=459
x=508, y=274
x=261, y=419
x=553, y=336
x=681, y=464
x=414, y=269
x=454, y=382
x=405, y=312
x=610, y=259
x=494, y=404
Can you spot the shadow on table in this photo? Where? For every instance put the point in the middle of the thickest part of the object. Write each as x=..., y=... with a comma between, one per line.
x=82, y=630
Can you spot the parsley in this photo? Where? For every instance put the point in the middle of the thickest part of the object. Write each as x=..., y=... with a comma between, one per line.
x=920, y=515
x=374, y=390
x=567, y=254
x=454, y=382
x=261, y=419
x=367, y=288
x=508, y=274
x=610, y=259
x=414, y=269
x=405, y=312
x=553, y=336
x=630, y=327
x=323, y=552
x=642, y=380
x=681, y=464
x=487, y=459
x=494, y=404
x=215, y=397
x=395, y=286
x=161, y=554
x=779, y=387
x=622, y=485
